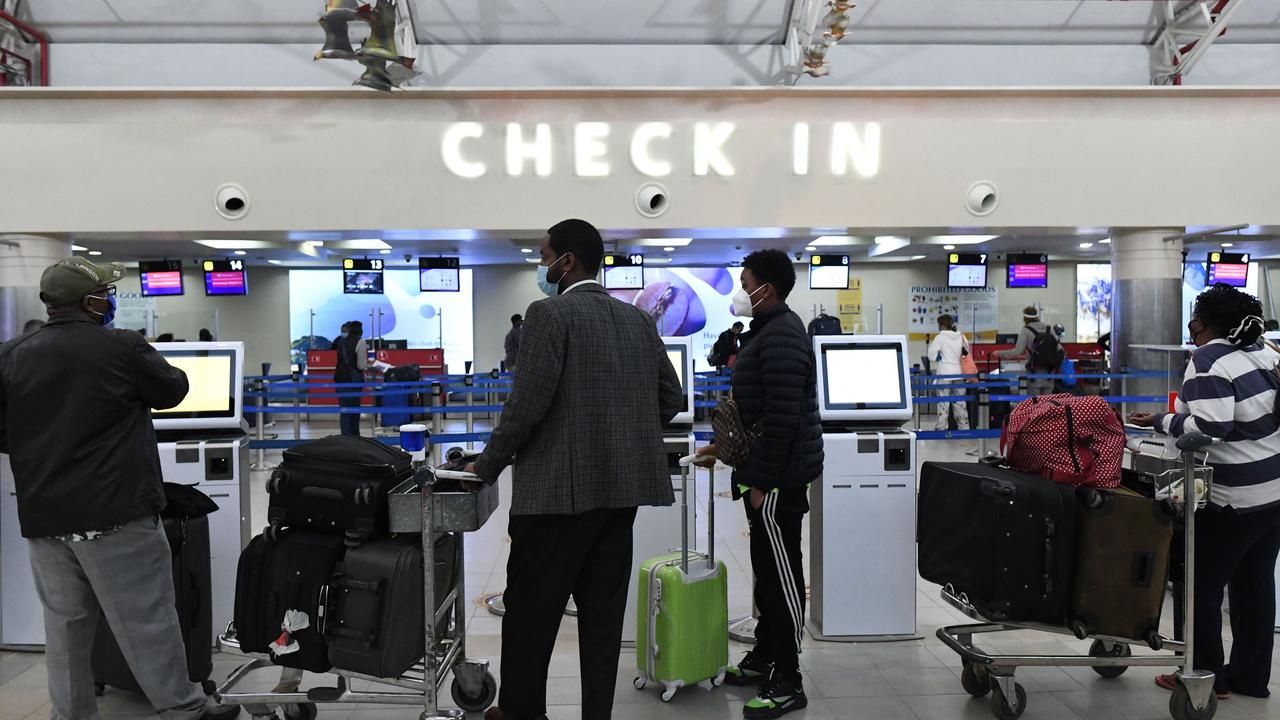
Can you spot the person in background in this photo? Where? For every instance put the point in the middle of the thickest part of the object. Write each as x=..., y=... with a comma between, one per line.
x=945, y=351
x=582, y=467
x=1032, y=331
x=727, y=346
x=164, y=337
x=353, y=360
x=1272, y=326
x=205, y=335
x=32, y=325
x=775, y=386
x=89, y=492
x=1229, y=392
x=511, y=345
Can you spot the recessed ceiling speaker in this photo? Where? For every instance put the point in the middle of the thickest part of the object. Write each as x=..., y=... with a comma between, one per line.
x=981, y=198
x=231, y=201
x=652, y=200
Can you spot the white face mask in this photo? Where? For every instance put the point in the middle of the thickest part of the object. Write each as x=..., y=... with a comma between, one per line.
x=742, y=305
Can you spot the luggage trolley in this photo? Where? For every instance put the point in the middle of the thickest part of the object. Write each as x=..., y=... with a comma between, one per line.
x=1194, y=699
x=414, y=508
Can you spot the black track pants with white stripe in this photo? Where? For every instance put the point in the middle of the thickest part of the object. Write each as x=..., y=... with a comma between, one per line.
x=779, y=580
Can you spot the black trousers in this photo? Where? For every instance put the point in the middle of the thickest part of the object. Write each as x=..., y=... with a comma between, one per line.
x=1236, y=551
x=552, y=557
x=779, y=580
x=349, y=423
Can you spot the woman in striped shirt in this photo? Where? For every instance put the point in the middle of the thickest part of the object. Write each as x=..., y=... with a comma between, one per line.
x=1230, y=392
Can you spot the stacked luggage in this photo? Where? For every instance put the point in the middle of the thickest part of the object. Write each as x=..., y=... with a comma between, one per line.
x=326, y=585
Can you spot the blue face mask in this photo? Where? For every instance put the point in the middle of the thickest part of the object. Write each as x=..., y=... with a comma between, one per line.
x=110, y=315
x=548, y=288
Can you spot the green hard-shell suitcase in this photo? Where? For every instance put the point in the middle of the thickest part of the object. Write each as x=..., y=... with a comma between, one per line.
x=682, y=623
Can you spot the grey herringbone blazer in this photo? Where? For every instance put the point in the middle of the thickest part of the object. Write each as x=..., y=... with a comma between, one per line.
x=592, y=389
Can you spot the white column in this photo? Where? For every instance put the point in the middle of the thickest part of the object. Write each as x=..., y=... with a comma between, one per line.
x=1146, y=307
x=22, y=259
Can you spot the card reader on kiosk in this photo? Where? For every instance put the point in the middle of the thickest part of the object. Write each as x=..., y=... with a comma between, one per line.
x=864, y=504
x=657, y=529
x=202, y=442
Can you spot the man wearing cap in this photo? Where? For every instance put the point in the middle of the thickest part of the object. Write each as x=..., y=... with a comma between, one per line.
x=75, y=419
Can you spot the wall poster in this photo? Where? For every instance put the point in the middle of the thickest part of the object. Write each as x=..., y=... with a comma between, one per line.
x=975, y=310
x=849, y=307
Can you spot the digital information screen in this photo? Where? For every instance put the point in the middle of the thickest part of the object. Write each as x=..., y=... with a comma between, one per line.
x=863, y=376
x=362, y=276
x=967, y=270
x=211, y=375
x=160, y=277
x=828, y=272
x=1028, y=271
x=224, y=277
x=624, y=272
x=1228, y=268
x=438, y=274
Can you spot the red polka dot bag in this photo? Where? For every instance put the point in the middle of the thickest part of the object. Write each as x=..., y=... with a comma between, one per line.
x=1078, y=441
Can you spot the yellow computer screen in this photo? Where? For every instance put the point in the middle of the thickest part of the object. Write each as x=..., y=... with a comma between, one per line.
x=210, y=378
x=677, y=361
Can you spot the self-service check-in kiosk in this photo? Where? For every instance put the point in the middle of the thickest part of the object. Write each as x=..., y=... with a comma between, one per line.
x=203, y=443
x=657, y=529
x=862, y=542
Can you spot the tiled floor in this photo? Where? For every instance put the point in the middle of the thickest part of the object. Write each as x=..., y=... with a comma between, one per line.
x=890, y=681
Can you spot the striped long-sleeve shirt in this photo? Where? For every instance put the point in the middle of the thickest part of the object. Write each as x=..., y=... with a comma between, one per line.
x=1230, y=393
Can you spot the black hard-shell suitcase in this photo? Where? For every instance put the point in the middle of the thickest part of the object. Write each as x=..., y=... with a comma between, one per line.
x=1122, y=563
x=1005, y=539
x=294, y=572
x=377, y=618
x=337, y=484
x=186, y=526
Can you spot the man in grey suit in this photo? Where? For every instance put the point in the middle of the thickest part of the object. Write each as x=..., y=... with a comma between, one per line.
x=592, y=389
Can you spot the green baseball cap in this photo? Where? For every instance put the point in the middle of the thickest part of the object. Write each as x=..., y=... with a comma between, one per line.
x=65, y=282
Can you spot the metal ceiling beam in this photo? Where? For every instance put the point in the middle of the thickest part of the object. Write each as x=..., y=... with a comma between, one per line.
x=1189, y=30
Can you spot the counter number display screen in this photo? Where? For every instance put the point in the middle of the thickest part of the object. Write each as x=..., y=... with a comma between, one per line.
x=160, y=277
x=624, y=272
x=362, y=276
x=438, y=274
x=1028, y=271
x=224, y=277
x=864, y=376
x=828, y=272
x=1228, y=268
x=967, y=270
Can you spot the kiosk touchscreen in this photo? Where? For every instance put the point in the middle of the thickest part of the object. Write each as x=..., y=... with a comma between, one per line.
x=863, y=379
x=215, y=373
x=680, y=352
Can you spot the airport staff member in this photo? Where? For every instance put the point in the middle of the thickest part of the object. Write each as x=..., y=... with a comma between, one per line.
x=353, y=360
x=775, y=386
x=592, y=389
x=511, y=344
x=75, y=418
x=1229, y=392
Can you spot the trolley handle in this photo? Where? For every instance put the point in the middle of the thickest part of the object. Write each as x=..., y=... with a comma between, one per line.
x=1194, y=441
x=457, y=475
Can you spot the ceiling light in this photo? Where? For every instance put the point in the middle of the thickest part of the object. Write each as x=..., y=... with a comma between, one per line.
x=95, y=253
x=887, y=244
x=656, y=260
x=918, y=257
x=362, y=244
x=239, y=252
x=1228, y=244
x=811, y=248
x=526, y=250
x=948, y=247
x=835, y=241
x=385, y=252
x=77, y=248
x=658, y=242
x=234, y=244
x=1104, y=241
x=668, y=249
x=276, y=262
x=966, y=239
x=1086, y=245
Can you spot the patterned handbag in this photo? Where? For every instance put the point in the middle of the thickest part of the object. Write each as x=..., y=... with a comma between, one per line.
x=732, y=439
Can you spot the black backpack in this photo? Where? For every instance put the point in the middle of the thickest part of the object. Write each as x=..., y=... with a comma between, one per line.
x=824, y=324
x=1046, y=351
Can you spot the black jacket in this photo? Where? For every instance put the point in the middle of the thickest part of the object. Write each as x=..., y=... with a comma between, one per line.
x=75, y=419
x=775, y=385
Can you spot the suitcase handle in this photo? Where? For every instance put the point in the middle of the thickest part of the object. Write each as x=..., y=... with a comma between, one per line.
x=1142, y=570
x=1049, y=531
x=685, y=462
x=319, y=493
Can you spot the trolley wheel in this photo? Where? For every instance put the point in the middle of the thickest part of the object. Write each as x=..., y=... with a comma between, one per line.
x=1180, y=707
x=99, y=689
x=668, y=694
x=1000, y=704
x=475, y=703
x=975, y=680
x=718, y=680
x=1098, y=649
x=299, y=711
x=639, y=683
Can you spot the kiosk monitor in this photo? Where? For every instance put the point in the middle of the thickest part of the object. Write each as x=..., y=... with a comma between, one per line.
x=215, y=371
x=680, y=352
x=863, y=379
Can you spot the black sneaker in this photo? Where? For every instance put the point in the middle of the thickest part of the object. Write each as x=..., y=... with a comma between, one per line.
x=220, y=712
x=778, y=696
x=752, y=670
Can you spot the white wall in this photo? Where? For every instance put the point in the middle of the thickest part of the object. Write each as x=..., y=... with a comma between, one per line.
x=260, y=319
x=500, y=292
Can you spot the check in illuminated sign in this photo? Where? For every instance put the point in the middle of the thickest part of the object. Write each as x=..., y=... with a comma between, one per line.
x=853, y=149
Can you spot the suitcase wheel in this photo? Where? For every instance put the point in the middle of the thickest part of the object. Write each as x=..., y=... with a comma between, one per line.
x=99, y=689
x=276, y=483
x=1008, y=708
x=1099, y=649
x=300, y=711
x=454, y=453
x=475, y=703
x=640, y=683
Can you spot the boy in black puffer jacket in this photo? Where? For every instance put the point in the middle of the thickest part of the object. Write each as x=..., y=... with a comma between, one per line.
x=775, y=386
